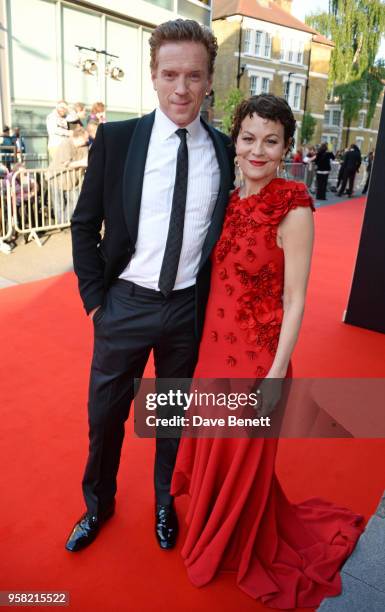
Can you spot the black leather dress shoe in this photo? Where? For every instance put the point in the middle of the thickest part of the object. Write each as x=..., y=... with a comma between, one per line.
x=166, y=526
x=86, y=529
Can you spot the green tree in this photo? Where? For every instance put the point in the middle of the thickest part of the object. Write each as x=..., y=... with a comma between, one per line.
x=228, y=107
x=375, y=81
x=356, y=28
x=351, y=96
x=307, y=127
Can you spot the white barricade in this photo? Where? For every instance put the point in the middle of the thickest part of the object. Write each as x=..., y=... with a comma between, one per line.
x=44, y=199
x=5, y=210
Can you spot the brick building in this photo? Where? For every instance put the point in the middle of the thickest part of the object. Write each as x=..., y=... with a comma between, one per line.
x=335, y=132
x=266, y=49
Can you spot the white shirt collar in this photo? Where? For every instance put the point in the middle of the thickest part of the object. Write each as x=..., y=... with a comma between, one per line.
x=166, y=128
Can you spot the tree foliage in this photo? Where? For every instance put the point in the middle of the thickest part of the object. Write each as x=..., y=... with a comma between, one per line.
x=228, y=107
x=375, y=80
x=356, y=28
x=308, y=127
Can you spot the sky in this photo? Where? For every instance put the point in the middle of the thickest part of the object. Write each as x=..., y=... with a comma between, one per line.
x=305, y=7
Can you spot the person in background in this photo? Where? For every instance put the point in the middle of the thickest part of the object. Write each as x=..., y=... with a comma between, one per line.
x=298, y=160
x=7, y=154
x=25, y=191
x=309, y=160
x=368, y=171
x=92, y=127
x=71, y=154
x=351, y=164
x=6, y=137
x=207, y=108
x=298, y=156
x=98, y=112
x=18, y=142
x=76, y=116
x=322, y=162
x=3, y=171
x=57, y=127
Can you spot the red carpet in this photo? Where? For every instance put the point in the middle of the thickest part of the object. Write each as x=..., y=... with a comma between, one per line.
x=46, y=347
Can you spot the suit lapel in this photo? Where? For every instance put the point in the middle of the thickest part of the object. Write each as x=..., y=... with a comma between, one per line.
x=134, y=173
x=223, y=194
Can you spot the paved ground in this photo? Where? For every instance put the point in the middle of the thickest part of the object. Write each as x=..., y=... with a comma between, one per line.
x=363, y=575
x=29, y=262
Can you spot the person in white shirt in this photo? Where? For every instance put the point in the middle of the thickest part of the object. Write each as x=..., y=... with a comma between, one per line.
x=160, y=185
x=57, y=127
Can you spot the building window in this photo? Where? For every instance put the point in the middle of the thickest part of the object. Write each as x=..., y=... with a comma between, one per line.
x=359, y=142
x=265, y=85
x=258, y=37
x=253, y=85
x=300, y=53
x=247, y=41
x=166, y=4
x=290, y=52
x=297, y=96
x=361, y=119
x=267, y=51
x=336, y=120
x=327, y=117
x=191, y=10
x=286, y=91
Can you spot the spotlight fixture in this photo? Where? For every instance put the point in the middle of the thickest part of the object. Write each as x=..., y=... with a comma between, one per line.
x=117, y=73
x=114, y=71
x=89, y=66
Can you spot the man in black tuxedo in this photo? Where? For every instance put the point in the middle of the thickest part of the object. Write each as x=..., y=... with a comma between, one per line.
x=160, y=184
x=350, y=164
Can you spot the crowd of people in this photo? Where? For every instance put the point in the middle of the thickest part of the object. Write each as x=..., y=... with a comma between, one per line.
x=71, y=132
x=64, y=119
x=317, y=162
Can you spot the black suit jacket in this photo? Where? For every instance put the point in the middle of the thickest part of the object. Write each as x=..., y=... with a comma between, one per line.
x=111, y=193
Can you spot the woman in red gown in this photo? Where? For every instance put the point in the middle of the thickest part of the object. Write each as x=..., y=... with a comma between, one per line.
x=239, y=518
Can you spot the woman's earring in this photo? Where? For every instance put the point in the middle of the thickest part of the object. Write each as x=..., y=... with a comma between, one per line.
x=281, y=170
x=238, y=173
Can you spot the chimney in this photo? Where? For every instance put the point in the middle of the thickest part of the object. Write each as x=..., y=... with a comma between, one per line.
x=286, y=5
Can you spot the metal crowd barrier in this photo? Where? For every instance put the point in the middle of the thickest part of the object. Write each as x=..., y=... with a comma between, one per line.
x=5, y=210
x=34, y=160
x=307, y=174
x=38, y=200
x=8, y=155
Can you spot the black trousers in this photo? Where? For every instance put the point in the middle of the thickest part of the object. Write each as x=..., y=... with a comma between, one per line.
x=348, y=177
x=133, y=321
x=322, y=181
x=365, y=189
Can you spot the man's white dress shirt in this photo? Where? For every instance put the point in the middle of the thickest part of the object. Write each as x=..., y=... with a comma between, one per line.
x=155, y=209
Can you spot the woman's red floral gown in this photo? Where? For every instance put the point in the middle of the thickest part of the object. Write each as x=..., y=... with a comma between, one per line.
x=239, y=518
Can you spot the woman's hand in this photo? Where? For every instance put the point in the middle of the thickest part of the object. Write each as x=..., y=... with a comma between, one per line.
x=269, y=392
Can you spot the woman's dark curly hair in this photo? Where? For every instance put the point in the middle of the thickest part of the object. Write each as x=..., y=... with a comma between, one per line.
x=266, y=106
